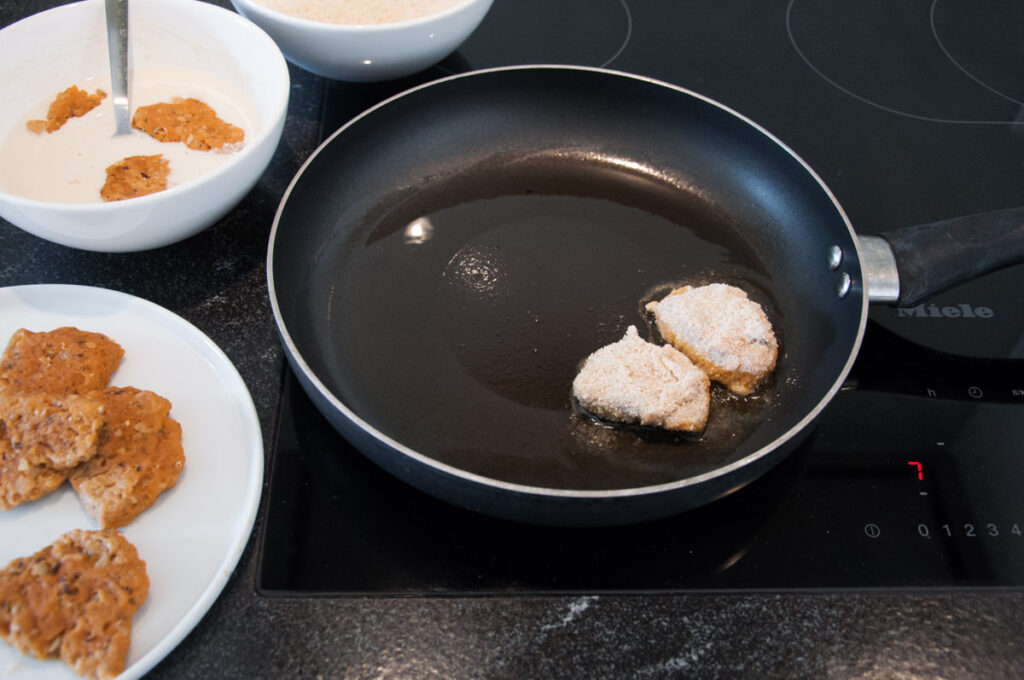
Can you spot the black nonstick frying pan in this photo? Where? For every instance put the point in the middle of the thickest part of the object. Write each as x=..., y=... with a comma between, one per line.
x=442, y=264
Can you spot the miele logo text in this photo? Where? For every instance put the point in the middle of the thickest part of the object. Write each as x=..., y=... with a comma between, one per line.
x=960, y=311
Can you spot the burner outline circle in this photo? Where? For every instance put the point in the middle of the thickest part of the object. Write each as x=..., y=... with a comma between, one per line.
x=961, y=67
x=888, y=109
x=615, y=55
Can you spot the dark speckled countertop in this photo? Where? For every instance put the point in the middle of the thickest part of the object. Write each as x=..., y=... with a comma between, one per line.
x=216, y=280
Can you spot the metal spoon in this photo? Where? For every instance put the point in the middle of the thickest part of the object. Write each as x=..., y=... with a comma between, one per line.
x=117, y=46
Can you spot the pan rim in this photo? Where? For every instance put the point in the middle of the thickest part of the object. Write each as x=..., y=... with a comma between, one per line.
x=299, y=363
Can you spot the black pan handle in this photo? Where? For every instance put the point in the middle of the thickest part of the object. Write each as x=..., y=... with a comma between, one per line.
x=933, y=257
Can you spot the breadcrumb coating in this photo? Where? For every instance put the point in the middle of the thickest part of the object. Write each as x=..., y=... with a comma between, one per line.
x=634, y=381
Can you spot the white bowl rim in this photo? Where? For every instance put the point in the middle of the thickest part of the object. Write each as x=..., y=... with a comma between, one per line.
x=249, y=147
x=329, y=26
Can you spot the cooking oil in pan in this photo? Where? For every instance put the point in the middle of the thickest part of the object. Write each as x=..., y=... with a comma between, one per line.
x=460, y=332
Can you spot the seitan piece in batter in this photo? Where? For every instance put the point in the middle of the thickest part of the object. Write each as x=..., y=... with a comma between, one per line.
x=135, y=176
x=74, y=600
x=722, y=331
x=62, y=361
x=189, y=121
x=139, y=456
x=71, y=103
x=634, y=381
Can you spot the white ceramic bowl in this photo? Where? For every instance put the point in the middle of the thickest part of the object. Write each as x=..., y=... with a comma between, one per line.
x=368, y=52
x=45, y=53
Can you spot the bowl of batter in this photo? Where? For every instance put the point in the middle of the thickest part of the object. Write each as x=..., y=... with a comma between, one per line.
x=208, y=92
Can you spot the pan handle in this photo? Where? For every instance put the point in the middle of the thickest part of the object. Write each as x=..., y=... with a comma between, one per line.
x=930, y=258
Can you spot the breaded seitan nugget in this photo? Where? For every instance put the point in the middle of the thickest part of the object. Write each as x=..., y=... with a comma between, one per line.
x=62, y=361
x=720, y=329
x=139, y=456
x=634, y=381
x=74, y=600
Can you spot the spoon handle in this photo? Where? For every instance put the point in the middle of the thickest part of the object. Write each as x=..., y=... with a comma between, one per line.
x=117, y=45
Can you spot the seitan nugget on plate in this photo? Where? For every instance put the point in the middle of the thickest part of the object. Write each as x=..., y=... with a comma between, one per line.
x=62, y=361
x=139, y=456
x=74, y=600
x=42, y=437
x=22, y=481
x=59, y=431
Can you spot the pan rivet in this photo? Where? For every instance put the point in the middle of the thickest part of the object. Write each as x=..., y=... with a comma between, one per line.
x=845, y=283
x=835, y=257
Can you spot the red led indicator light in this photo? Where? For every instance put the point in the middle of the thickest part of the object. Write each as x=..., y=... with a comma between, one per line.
x=920, y=472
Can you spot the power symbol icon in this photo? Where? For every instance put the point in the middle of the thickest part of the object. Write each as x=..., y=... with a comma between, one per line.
x=872, y=530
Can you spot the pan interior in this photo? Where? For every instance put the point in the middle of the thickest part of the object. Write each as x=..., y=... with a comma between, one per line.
x=451, y=310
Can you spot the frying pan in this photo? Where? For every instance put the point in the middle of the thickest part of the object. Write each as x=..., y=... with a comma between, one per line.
x=442, y=264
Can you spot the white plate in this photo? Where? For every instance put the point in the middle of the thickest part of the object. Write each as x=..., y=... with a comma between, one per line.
x=192, y=537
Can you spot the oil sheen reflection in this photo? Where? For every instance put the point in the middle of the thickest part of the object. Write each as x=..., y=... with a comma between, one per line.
x=476, y=271
x=418, y=231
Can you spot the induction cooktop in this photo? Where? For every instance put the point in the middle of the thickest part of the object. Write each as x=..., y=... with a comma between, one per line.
x=910, y=113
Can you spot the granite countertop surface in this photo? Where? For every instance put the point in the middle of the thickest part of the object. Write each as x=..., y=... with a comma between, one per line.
x=216, y=280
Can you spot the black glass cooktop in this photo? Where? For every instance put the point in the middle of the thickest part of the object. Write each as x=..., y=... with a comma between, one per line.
x=910, y=114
